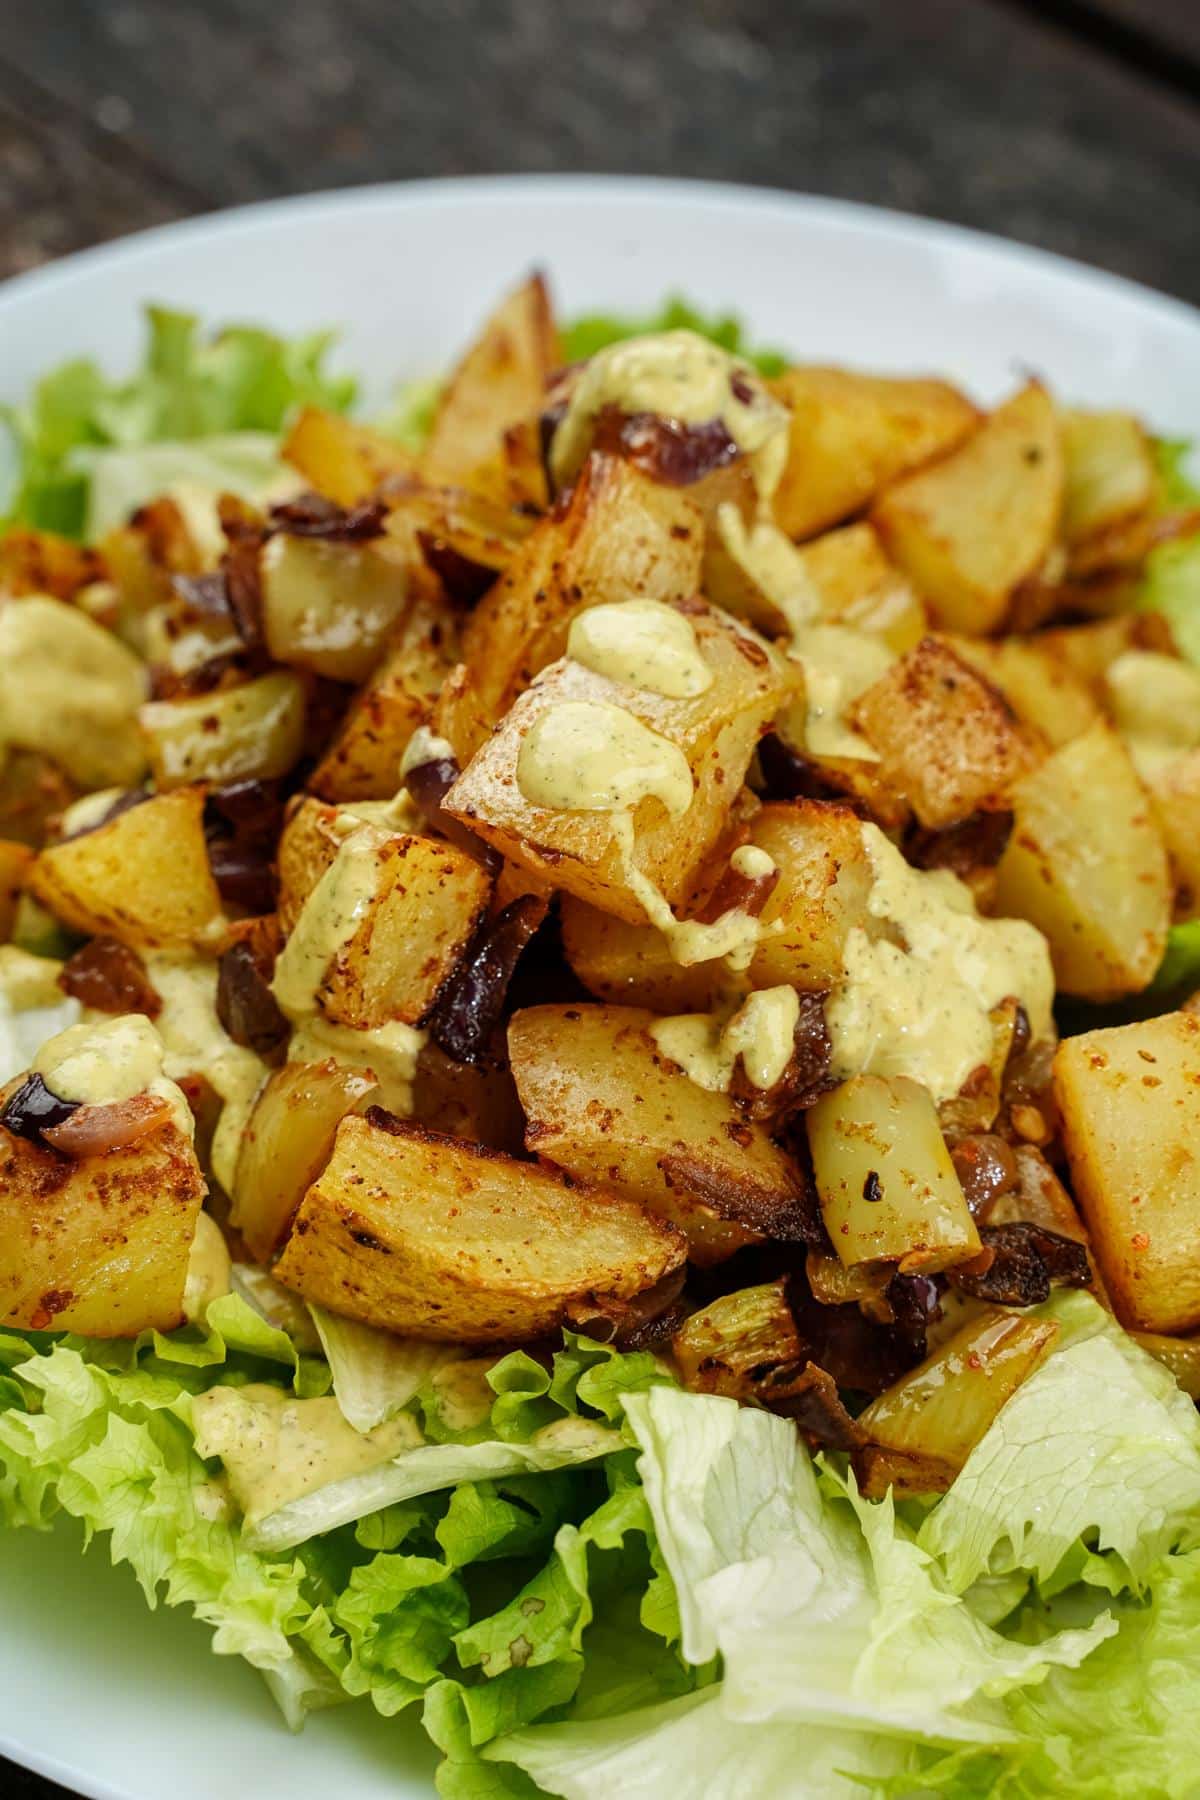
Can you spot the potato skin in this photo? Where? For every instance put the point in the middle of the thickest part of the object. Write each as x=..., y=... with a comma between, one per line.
x=100, y=1245
x=431, y=1237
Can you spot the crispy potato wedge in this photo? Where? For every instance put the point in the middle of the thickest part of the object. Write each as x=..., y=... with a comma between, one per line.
x=287, y=1142
x=42, y=562
x=1175, y=791
x=363, y=760
x=15, y=861
x=1086, y=864
x=312, y=836
x=859, y=586
x=70, y=690
x=579, y=851
x=852, y=434
x=1038, y=684
x=605, y=1104
x=824, y=884
x=887, y=1186
x=99, y=1245
x=1130, y=1103
x=431, y=1237
x=344, y=461
x=499, y=382
x=632, y=965
x=331, y=607
x=971, y=529
x=142, y=877
x=1111, y=478
x=947, y=739
x=252, y=731
x=621, y=537
x=414, y=904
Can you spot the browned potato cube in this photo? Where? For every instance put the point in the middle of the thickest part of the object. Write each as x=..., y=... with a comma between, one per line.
x=345, y=461
x=1038, y=684
x=605, y=1104
x=499, y=382
x=1175, y=791
x=971, y=529
x=1130, y=1102
x=143, y=877
x=580, y=851
x=413, y=904
x=852, y=434
x=858, y=586
x=254, y=731
x=330, y=607
x=431, y=1237
x=99, y=1245
x=1111, y=478
x=15, y=861
x=632, y=964
x=947, y=740
x=287, y=1142
x=311, y=837
x=824, y=884
x=1088, y=650
x=1087, y=866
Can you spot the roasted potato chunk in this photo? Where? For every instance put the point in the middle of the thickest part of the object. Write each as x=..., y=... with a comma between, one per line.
x=143, y=877
x=1087, y=866
x=851, y=435
x=947, y=739
x=70, y=690
x=632, y=965
x=605, y=1104
x=824, y=884
x=971, y=529
x=251, y=732
x=330, y=607
x=344, y=461
x=1041, y=688
x=858, y=586
x=430, y=1237
x=1130, y=1103
x=580, y=851
x=15, y=860
x=99, y=1245
x=1110, y=475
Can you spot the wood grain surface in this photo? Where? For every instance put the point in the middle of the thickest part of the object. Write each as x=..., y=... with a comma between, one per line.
x=1073, y=124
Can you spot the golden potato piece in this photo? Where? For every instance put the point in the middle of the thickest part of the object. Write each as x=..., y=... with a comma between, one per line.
x=852, y=434
x=971, y=529
x=1038, y=684
x=252, y=731
x=860, y=587
x=15, y=861
x=579, y=851
x=1087, y=866
x=605, y=1104
x=70, y=690
x=431, y=1237
x=143, y=877
x=1130, y=1102
x=1111, y=478
x=330, y=607
x=824, y=884
x=100, y=1245
x=311, y=837
x=344, y=461
x=499, y=382
x=1175, y=791
x=947, y=740
x=632, y=965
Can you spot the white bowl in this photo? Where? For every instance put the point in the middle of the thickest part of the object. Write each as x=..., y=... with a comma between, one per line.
x=95, y=1691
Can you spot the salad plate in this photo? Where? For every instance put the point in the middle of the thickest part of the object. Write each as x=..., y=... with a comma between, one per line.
x=96, y=1692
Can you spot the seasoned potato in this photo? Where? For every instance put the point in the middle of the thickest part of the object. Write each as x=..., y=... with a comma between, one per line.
x=1086, y=864
x=858, y=586
x=330, y=607
x=852, y=434
x=887, y=1186
x=99, y=1245
x=363, y=761
x=15, y=860
x=413, y=904
x=499, y=382
x=142, y=877
x=430, y=1237
x=312, y=835
x=969, y=531
x=344, y=461
x=42, y=562
x=622, y=537
x=1175, y=791
x=255, y=730
x=1130, y=1103
x=824, y=883
x=70, y=691
x=1111, y=477
x=1041, y=688
x=632, y=964
x=947, y=740
x=477, y=1101
x=287, y=1142
x=605, y=1104
x=1088, y=651
x=580, y=851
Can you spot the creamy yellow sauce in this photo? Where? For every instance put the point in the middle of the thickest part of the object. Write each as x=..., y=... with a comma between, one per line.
x=196, y=1043
x=678, y=375
x=389, y=1051
x=71, y=689
x=590, y=756
x=328, y=921
x=839, y=664
x=752, y=862
x=769, y=559
x=1155, y=701
x=919, y=1007
x=102, y=1062
x=643, y=644
x=276, y=1448
x=86, y=813
x=706, y=1046
x=209, y=1269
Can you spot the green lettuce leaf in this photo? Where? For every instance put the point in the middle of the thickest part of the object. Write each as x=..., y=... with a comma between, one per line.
x=189, y=386
x=121, y=479
x=1174, y=457
x=1171, y=585
x=1179, y=970
x=375, y=1374
x=596, y=331
x=1099, y=1441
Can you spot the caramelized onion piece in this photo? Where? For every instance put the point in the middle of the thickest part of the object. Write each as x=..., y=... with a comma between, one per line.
x=91, y=1130
x=312, y=515
x=986, y=1168
x=1025, y=1261
x=811, y=1398
x=664, y=449
x=465, y=582
x=246, y=1006
x=242, y=823
x=32, y=1108
x=111, y=978
x=470, y=1005
x=647, y=1320
x=428, y=784
x=806, y=1077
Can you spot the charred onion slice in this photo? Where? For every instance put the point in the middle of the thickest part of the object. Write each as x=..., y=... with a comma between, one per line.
x=312, y=515
x=1026, y=1260
x=91, y=1130
x=470, y=1006
x=246, y=1006
x=428, y=784
x=111, y=978
x=32, y=1109
x=664, y=449
x=242, y=823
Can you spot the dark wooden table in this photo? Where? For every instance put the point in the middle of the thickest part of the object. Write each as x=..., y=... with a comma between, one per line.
x=1073, y=124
